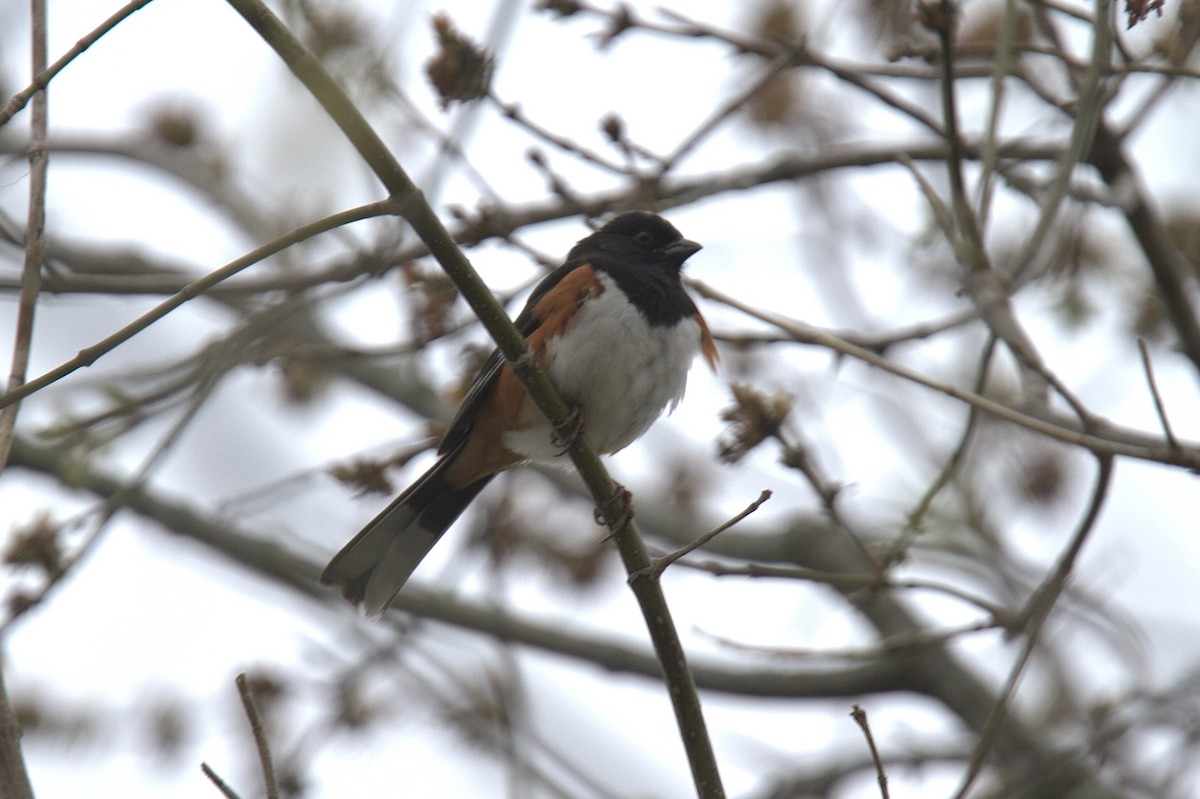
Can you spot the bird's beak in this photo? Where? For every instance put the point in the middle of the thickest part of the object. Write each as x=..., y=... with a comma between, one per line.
x=682, y=250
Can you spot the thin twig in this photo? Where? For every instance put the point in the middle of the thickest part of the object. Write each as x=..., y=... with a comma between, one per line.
x=727, y=110
x=801, y=55
x=860, y=718
x=983, y=283
x=878, y=343
x=1158, y=401
x=484, y=225
x=1188, y=455
x=89, y=355
x=1034, y=619
x=656, y=568
x=848, y=580
x=1088, y=120
x=795, y=456
x=917, y=515
x=260, y=736
x=43, y=74
x=216, y=780
x=967, y=223
x=1167, y=263
x=115, y=503
x=878, y=653
x=941, y=213
x=1002, y=64
x=35, y=230
x=514, y=113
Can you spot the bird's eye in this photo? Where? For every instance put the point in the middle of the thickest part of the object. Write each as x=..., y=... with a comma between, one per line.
x=643, y=238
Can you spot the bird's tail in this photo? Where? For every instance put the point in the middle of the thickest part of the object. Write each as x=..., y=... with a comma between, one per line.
x=371, y=569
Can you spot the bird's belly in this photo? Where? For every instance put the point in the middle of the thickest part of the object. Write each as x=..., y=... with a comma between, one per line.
x=620, y=370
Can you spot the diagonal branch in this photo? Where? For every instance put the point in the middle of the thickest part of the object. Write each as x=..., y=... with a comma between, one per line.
x=43, y=74
x=1166, y=263
x=89, y=355
x=931, y=670
x=412, y=206
x=254, y=550
x=1037, y=611
x=1103, y=438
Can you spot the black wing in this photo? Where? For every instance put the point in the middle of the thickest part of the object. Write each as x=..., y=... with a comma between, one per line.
x=481, y=386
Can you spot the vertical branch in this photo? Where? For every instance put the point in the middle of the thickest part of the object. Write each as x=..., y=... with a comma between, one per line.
x=14, y=780
x=970, y=241
x=270, y=783
x=987, y=290
x=1089, y=113
x=31, y=280
x=1001, y=65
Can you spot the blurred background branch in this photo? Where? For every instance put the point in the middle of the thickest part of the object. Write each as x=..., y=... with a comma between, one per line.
x=932, y=323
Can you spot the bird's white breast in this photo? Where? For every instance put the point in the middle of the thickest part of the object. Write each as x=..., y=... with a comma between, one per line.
x=621, y=370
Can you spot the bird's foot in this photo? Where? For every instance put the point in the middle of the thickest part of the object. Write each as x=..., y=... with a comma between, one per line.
x=568, y=431
x=621, y=497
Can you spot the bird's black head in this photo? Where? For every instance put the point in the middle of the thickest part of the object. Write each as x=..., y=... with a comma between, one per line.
x=642, y=236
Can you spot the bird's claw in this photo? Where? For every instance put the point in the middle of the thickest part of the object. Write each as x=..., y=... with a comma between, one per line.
x=568, y=431
x=622, y=496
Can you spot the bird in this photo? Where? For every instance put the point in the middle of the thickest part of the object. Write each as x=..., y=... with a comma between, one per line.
x=616, y=332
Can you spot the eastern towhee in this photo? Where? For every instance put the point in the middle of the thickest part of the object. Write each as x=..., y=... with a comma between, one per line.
x=616, y=333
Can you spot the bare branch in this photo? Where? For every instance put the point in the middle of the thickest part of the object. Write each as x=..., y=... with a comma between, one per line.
x=257, y=551
x=43, y=74
x=90, y=355
x=14, y=779
x=411, y=205
x=220, y=784
x=860, y=718
x=1159, y=407
x=35, y=241
x=1036, y=613
x=260, y=736
x=1113, y=441
x=659, y=565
